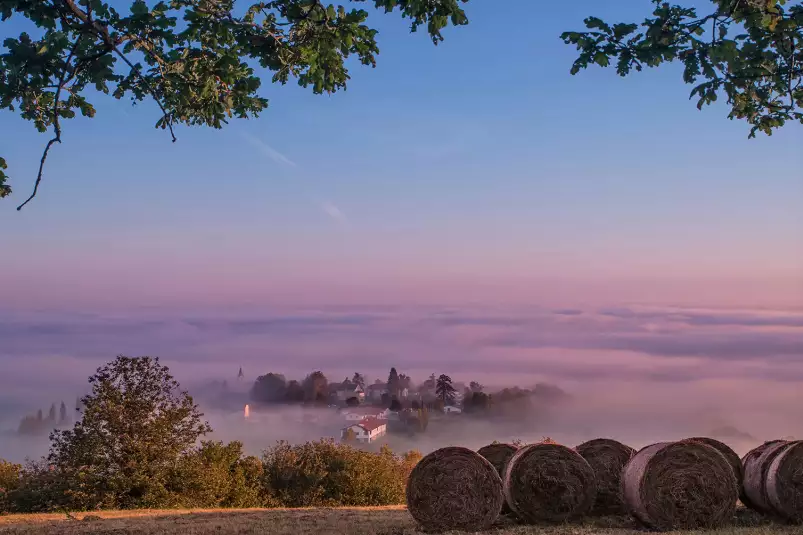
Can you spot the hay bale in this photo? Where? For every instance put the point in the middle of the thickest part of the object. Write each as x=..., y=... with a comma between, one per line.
x=680, y=485
x=730, y=455
x=454, y=488
x=499, y=454
x=755, y=465
x=608, y=458
x=549, y=483
x=784, y=482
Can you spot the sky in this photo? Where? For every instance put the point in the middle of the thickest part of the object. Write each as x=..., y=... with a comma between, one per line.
x=474, y=176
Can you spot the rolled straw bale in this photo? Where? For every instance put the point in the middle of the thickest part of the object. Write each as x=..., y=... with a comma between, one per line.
x=454, y=488
x=784, y=482
x=680, y=485
x=499, y=454
x=608, y=458
x=730, y=455
x=549, y=483
x=756, y=464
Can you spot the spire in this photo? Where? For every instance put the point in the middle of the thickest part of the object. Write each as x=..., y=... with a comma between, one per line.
x=240, y=374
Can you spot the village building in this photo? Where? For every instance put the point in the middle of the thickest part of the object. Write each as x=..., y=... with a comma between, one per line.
x=365, y=430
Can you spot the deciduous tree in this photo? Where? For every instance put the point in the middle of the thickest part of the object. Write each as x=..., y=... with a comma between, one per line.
x=748, y=51
x=136, y=425
x=196, y=59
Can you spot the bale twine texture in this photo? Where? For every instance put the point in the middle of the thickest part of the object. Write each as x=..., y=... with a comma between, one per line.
x=680, y=485
x=549, y=483
x=731, y=456
x=756, y=465
x=608, y=458
x=784, y=484
x=454, y=488
x=499, y=454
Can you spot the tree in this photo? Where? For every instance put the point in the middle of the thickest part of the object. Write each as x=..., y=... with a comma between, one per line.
x=385, y=399
x=749, y=51
x=395, y=405
x=195, y=59
x=475, y=386
x=393, y=383
x=295, y=392
x=51, y=414
x=136, y=425
x=316, y=387
x=269, y=388
x=350, y=435
x=444, y=389
x=352, y=402
x=405, y=382
x=415, y=405
x=358, y=380
x=63, y=413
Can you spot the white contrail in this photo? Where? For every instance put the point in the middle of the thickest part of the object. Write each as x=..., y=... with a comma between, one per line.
x=268, y=151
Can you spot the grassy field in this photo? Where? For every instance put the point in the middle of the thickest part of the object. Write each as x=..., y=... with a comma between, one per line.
x=341, y=521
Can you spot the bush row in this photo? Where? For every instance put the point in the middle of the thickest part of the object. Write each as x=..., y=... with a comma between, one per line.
x=216, y=475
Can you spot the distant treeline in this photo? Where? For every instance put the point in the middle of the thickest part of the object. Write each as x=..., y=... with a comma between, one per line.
x=400, y=392
x=38, y=424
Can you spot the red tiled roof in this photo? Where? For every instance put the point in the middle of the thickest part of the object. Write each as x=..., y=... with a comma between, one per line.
x=370, y=425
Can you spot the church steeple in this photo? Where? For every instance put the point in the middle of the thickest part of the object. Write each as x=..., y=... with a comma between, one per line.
x=240, y=374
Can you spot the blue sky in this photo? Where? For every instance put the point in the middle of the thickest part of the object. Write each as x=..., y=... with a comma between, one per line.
x=481, y=159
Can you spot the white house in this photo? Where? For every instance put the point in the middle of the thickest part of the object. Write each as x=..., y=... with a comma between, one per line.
x=451, y=409
x=355, y=414
x=366, y=430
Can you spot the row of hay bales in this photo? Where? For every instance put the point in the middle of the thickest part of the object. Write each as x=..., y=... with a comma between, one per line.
x=689, y=484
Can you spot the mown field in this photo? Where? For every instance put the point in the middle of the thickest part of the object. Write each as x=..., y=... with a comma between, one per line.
x=323, y=521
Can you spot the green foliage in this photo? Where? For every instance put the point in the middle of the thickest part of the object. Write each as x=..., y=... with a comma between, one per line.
x=9, y=482
x=220, y=475
x=750, y=51
x=444, y=390
x=196, y=58
x=326, y=473
x=135, y=426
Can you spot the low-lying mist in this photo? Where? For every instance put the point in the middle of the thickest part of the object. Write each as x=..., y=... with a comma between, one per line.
x=636, y=374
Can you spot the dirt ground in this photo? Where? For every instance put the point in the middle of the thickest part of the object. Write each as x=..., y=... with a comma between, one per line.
x=341, y=521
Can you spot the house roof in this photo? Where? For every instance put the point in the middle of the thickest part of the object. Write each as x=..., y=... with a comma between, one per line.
x=369, y=425
x=380, y=386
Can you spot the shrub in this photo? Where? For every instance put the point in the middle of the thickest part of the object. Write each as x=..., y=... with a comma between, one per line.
x=9, y=482
x=219, y=475
x=326, y=473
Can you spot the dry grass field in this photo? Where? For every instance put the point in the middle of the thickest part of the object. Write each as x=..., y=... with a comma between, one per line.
x=341, y=521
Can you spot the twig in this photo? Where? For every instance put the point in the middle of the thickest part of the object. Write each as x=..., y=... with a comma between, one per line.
x=152, y=91
x=63, y=79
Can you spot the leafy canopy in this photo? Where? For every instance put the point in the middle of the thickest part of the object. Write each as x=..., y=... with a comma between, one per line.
x=135, y=426
x=196, y=58
x=749, y=51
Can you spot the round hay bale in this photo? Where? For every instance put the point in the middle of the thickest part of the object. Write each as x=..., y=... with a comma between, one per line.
x=785, y=482
x=756, y=464
x=549, y=483
x=680, y=485
x=454, y=488
x=730, y=455
x=608, y=458
x=499, y=454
